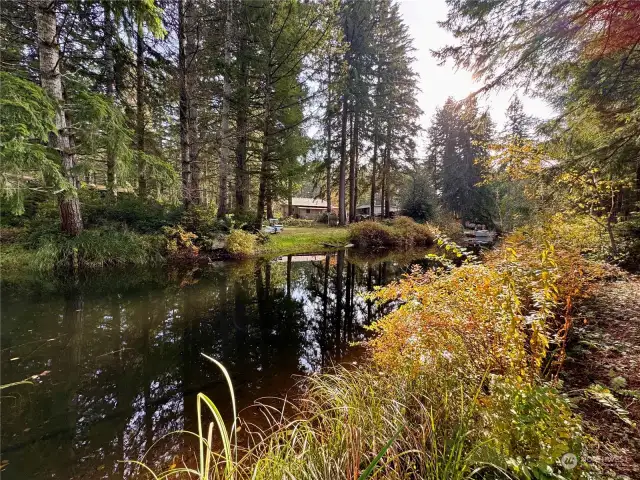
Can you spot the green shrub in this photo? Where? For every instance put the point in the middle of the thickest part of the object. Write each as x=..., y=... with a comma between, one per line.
x=202, y=221
x=330, y=219
x=527, y=428
x=241, y=244
x=144, y=216
x=297, y=222
x=628, y=234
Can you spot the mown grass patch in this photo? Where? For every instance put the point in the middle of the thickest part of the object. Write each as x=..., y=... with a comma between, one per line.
x=294, y=240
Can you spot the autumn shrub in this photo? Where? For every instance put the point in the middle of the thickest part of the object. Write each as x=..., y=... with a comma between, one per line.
x=180, y=243
x=402, y=232
x=409, y=233
x=499, y=316
x=241, y=244
x=508, y=319
x=370, y=234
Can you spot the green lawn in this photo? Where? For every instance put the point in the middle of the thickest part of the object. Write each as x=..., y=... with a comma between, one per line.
x=304, y=240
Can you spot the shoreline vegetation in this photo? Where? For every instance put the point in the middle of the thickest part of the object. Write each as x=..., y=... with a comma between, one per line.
x=463, y=380
x=134, y=233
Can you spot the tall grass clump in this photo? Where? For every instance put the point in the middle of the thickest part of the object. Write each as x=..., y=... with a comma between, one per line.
x=96, y=249
x=402, y=232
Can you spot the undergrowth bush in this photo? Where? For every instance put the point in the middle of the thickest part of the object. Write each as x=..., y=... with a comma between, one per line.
x=241, y=244
x=179, y=243
x=129, y=211
x=628, y=234
x=402, y=232
x=448, y=225
x=330, y=219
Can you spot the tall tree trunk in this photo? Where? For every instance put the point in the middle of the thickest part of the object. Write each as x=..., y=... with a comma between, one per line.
x=289, y=198
x=265, y=167
x=328, y=159
x=269, y=200
x=110, y=77
x=342, y=214
x=191, y=31
x=383, y=180
x=264, y=174
x=353, y=167
x=264, y=158
x=352, y=159
x=224, y=141
x=374, y=166
x=51, y=80
x=142, y=174
x=185, y=156
x=387, y=180
x=242, y=176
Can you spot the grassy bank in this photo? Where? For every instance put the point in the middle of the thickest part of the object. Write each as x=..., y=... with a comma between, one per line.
x=460, y=382
x=401, y=233
x=135, y=232
x=294, y=240
x=93, y=249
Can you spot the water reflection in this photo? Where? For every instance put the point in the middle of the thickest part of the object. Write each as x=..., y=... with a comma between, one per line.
x=119, y=367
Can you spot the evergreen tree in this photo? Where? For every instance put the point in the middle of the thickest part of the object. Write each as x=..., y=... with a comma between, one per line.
x=457, y=142
x=518, y=126
x=59, y=141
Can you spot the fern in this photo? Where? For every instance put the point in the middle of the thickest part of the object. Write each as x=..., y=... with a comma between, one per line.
x=605, y=397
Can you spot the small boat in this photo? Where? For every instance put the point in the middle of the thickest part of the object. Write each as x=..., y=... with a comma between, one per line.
x=273, y=227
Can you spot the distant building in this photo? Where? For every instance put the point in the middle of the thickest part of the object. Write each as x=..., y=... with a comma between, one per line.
x=309, y=208
x=365, y=210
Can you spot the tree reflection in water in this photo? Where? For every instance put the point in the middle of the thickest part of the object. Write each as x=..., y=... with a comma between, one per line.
x=120, y=362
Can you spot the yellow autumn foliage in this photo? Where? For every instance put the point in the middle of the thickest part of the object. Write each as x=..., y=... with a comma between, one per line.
x=502, y=316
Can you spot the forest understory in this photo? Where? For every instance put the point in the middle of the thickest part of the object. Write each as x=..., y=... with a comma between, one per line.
x=607, y=353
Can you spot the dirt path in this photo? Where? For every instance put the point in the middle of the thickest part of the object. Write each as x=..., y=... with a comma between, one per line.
x=607, y=353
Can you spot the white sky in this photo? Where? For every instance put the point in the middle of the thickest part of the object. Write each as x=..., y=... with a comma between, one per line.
x=439, y=82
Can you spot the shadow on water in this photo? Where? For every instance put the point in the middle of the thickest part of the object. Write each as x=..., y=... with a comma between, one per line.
x=118, y=358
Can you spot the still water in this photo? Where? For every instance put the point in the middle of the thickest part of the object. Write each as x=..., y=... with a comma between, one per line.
x=116, y=362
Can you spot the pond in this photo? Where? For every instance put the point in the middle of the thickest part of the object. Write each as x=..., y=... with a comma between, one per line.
x=116, y=360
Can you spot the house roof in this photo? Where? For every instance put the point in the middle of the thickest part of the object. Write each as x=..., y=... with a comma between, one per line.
x=307, y=202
